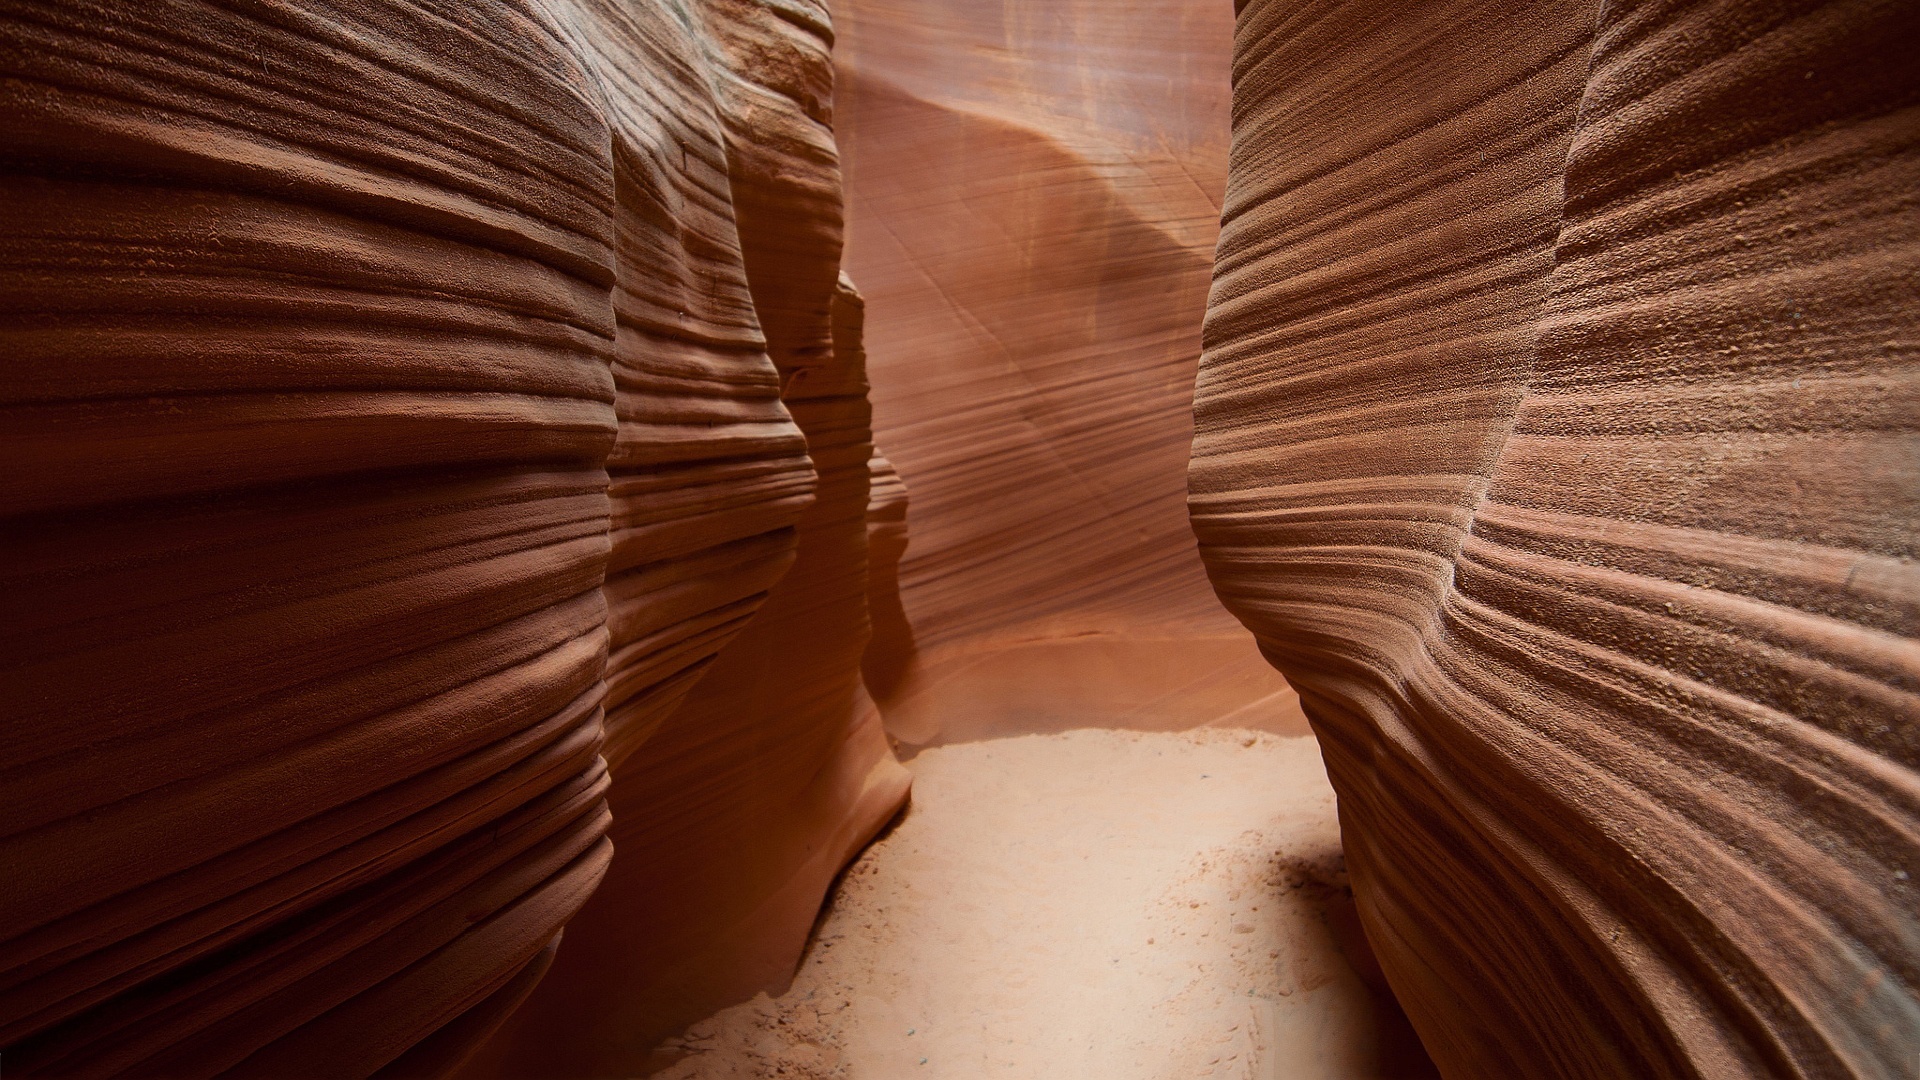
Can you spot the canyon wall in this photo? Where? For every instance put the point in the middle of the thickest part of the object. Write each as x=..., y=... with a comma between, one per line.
x=733, y=818
x=395, y=424
x=1033, y=196
x=1555, y=435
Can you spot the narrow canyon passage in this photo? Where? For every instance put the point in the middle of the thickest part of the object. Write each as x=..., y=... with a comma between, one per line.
x=1093, y=878
x=981, y=539
x=1090, y=905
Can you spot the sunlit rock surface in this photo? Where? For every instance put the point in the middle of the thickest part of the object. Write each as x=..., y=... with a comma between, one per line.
x=1033, y=195
x=1556, y=437
x=392, y=425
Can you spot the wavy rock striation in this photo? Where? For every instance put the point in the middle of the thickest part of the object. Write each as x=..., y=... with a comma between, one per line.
x=734, y=816
x=1556, y=438
x=395, y=425
x=1032, y=201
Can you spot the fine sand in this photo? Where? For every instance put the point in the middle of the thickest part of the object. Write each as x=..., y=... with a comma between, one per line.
x=1094, y=904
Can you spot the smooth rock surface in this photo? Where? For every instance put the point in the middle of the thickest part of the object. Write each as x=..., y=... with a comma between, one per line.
x=1556, y=437
x=1033, y=194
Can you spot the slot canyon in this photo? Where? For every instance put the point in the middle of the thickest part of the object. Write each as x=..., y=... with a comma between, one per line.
x=869, y=539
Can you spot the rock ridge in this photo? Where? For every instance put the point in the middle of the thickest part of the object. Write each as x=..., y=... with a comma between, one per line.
x=409, y=409
x=1551, y=439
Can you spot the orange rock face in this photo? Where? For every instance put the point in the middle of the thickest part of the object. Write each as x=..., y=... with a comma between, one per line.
x=1555, y=436
x=1032, y=203
x=733, y=817
x=396, y=413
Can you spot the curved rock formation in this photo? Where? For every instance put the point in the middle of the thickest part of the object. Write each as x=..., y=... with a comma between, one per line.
x=1032, y=202
x=889, y=652
x=733, y=818
x=391, y=401
x=1556, y=438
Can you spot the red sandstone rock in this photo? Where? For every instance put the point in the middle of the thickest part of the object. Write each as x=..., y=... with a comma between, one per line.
x=1555, y=436
x=404, y=397
x=389, y=395
x=733, y=818
x=1032, y=202
x=889, y=652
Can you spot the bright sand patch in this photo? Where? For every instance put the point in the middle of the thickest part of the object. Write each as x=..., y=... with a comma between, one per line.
x=1105, y=905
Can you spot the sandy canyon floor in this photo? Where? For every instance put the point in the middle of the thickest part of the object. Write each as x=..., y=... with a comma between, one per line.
x=1094, y=904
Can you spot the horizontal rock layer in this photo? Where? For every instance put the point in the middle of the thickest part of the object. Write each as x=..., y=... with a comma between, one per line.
x=393, y=429
x=1556, y=438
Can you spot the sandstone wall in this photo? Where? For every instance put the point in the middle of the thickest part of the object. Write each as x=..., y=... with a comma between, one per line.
x=735, y=815
x=395, y=422
x=1033, y=195
x=1556, y=437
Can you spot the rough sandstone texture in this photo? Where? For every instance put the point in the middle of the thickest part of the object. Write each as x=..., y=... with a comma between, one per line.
x=394, y=423
x=1033, y=195
x=1556, y=438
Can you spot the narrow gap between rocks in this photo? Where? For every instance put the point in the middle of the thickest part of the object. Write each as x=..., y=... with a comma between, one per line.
x=1121, y=858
